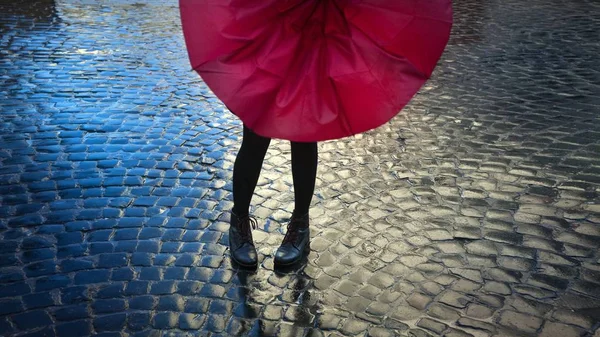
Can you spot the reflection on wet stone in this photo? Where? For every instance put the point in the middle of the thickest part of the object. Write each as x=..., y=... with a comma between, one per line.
x=475, y=212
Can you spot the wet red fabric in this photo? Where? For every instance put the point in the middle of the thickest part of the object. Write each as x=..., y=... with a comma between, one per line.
x=312, y=70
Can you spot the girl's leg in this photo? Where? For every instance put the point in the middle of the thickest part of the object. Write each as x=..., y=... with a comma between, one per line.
x=304, y=172
x=246, y=170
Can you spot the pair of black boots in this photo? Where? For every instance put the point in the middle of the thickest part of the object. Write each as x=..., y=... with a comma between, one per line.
x=290, y=252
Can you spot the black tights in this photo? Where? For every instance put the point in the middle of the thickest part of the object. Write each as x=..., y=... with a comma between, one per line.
x=249, y=162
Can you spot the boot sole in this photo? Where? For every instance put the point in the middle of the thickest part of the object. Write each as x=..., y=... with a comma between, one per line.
x=243, y=264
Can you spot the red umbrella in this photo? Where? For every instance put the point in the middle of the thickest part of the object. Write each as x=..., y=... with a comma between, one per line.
x=312, y=70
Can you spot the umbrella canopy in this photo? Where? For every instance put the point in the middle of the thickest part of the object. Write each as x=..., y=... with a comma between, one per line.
x=312, y=70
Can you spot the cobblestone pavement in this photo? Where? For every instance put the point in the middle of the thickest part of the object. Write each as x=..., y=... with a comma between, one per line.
x=475, y=212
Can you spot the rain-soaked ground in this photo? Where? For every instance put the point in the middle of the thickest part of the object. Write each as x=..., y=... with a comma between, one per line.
x=475, y=212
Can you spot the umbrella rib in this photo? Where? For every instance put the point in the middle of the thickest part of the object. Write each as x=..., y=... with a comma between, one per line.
x=296, y=56
x=345, y=122
x=370, y=67
x=400, y=57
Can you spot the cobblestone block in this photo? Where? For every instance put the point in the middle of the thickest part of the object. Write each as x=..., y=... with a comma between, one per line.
x=519, y=321
x=78, y=328
x=114, y=322
x=570, y=317
x=39, y=300
x=108, y=305
x=32, y=319
x=557, y=329
x=72, y=313
x=170, y=303
x=190, y=321
x=475, y=324
x=353, y=326
x=15, y=289
x=142, y=303
x=454, y=299
x=91, y=276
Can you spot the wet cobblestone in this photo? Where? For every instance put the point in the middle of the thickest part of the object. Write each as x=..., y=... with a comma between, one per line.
x=475, y=212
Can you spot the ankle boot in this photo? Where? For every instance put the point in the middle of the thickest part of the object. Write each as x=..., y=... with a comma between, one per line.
x=240, y=240
x=295, y=241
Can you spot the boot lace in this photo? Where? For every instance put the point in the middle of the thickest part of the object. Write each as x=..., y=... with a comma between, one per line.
x=292, y=231
x=245, y=226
